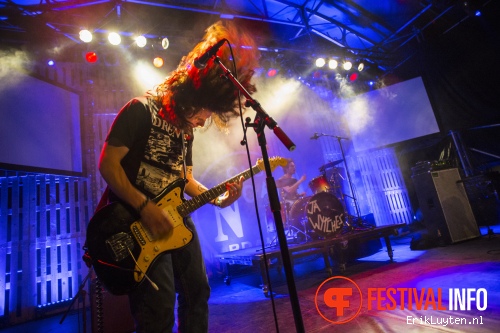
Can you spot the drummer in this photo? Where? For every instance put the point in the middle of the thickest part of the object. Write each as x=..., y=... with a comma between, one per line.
x=289, y=185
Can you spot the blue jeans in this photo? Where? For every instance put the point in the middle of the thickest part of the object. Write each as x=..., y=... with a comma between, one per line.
x=183, y=272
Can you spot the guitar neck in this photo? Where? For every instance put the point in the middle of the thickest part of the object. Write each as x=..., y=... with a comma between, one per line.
x=196, y=202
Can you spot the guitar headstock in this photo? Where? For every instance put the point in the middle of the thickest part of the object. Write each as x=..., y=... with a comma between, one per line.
x=273, y=161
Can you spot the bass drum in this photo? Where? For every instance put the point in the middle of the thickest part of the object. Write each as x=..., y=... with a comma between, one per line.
x=322, y=214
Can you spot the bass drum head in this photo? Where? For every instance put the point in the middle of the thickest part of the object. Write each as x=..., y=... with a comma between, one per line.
x=325, y=214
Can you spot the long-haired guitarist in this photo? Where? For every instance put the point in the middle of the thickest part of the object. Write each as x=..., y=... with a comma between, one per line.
x=149, y=146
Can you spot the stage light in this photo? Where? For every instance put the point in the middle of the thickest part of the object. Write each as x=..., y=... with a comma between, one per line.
x=145, y=74
x=165, y=43
x=361, y=66
x=91, y=57
x=50, y=62
x=114, y=38
x=85, y=36
x=158, y=62
x=141, y=41
x=353, y=77
x=272, y=72
x=320, y=62
x=347, y=65
x=332, y=64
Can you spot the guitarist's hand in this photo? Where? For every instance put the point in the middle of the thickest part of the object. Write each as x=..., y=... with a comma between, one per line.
x=233, y=192
x=155, y=220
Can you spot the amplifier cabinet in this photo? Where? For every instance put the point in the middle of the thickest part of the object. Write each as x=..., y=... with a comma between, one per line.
x=445, y=206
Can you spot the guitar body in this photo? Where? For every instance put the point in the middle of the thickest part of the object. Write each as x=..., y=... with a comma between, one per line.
x=121, y=250
x=114, y=235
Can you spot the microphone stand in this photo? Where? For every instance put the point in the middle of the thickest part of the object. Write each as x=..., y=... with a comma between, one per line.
x=352, y=196
x=81, y=293
x=261, y=120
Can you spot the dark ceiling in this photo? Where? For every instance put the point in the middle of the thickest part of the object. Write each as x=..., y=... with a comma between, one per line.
x=384, y=33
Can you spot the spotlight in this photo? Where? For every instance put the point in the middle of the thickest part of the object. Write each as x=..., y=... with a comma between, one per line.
x=114, y=38
x=361, y=66
x=141, y=41
x=332, y=63
x=50, y=62
x=85, y=36
x=272, y=72
x=320, y=62
x=165, y=43
x=91, y=57
x=347, y=65
x=158, y=62
x=353, y=77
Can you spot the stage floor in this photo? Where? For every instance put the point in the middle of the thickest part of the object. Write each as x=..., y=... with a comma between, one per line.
x=333, y=250
x=241, y=307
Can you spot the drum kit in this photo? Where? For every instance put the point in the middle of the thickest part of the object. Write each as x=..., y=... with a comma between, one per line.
x=320, y=216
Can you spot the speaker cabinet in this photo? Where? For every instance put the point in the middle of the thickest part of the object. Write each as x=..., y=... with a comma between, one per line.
x=109, y=313
x=445, y=207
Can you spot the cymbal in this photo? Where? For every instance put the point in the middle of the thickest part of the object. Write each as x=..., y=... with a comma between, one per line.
x=330, y=165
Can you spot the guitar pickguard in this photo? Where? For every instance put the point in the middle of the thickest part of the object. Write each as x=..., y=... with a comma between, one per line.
x=120, y=246
x=178, y=237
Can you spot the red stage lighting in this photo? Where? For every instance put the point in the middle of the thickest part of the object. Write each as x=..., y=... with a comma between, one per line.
x=272, y=72
x=353, y=77
x=91, y=57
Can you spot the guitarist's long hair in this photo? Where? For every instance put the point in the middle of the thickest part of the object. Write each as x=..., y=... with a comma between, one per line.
x=188, y=89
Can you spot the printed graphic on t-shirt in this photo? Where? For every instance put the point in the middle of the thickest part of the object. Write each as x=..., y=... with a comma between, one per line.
x=162, y=163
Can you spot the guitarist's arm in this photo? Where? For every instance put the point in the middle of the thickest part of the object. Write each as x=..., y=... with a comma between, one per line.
x=113, y=173
x=194, y=188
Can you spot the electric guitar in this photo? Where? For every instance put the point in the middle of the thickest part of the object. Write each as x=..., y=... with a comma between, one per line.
x=121, y=249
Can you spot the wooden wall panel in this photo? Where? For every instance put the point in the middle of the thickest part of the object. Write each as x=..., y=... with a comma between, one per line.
x=385, y=188
x=44, y=219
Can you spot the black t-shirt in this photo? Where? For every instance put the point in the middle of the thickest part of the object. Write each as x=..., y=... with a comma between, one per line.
x=155, y=154
x=284, y=182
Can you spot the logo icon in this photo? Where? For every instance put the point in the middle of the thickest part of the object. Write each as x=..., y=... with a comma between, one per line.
x=338, y=300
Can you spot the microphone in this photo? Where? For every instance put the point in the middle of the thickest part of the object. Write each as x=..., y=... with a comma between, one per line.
x=201, y=62
x=315, y=136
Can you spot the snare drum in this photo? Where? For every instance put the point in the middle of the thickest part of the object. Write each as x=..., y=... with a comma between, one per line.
x=298, y=217
x=321, y=214
x=319, y=184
